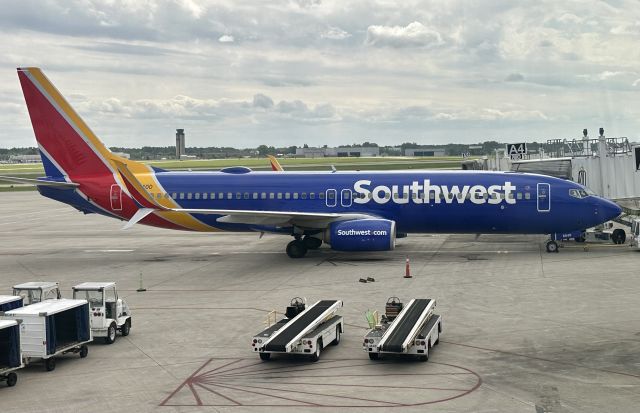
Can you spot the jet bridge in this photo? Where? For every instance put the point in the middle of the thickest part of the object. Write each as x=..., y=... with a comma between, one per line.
x=305, y=330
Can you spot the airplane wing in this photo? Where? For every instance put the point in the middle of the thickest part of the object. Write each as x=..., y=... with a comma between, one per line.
x=38, y=182
x=316, y=220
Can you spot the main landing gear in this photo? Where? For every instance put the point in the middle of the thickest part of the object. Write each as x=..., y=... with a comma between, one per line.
x=298, y=247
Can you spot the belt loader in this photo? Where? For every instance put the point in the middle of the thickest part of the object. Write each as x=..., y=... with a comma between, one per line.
x=412, y=329
x=304, y=330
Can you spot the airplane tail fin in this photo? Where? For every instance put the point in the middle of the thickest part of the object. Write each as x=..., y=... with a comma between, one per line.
x=68, y=148
x=275, y=165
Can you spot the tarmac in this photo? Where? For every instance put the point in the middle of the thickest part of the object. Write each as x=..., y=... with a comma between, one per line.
x=523, y=330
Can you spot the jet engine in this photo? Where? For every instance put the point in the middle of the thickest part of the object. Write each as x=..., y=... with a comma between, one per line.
x=361, y=235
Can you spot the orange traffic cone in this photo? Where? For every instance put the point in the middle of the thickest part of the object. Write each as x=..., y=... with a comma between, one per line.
x=407, y=269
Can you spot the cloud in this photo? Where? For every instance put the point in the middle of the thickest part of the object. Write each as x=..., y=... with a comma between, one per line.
x=413, y=35
x=514, y=77
x=636, y=83
x=335, y=33
x=226, y=39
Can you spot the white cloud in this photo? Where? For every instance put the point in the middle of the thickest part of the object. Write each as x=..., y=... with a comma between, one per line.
x=335, y=33
x=636, y=83
x=413, y=35
x=226, y=38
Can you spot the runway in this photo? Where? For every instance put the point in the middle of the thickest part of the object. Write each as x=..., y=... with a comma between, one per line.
x=524, y=330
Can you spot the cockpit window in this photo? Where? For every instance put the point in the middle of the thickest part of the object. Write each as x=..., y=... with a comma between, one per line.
x=578, y=193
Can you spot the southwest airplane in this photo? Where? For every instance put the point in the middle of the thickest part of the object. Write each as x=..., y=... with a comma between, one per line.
x=350, y=211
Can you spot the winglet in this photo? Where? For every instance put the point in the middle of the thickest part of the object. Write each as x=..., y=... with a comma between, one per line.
x=136, y=189
x=275, y=165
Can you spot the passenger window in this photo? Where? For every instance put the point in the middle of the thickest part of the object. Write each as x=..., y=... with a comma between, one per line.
x=263, y=195
x=174, y=195
x=197, y=195
x=321, y=195
x=220, y=195
x=331, y=195
x=205, y=195
x=295, y=195
x=238, y=195
x=181, y=195
x=432, y=195
x=166, y=196
x=189, y=195
x=346, y=194
x=213, y=195
x=287, y=195
x=519, y=195
x=527, y=195
x=229, y=195
x=246, y=195
x=312, y=195
x=255, y=195
x=303, y=195
x=279, y=195
x=159, y=195
x=272, y=195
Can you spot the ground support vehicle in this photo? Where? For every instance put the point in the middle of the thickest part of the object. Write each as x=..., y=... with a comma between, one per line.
x=305, y=330
x=52, y=328
x=37, y=291
x=108, y=312
x=10, y=351
x=412, y=329
x=634, y=238
x=604, y=233
x=9, y=302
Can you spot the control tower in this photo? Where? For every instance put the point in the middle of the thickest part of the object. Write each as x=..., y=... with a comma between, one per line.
x=180, y=147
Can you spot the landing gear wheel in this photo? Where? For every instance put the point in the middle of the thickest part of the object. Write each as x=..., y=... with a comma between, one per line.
x=50, y=364
x=312, y=243
x=316, y=356
x=337, y=339
x=126, y=328
x=552, y=246
x=111, y=334
x=296, y=249
x=84, y=350
x=374, y=356
x=265, y=356
x=618, y=236
x=12, y=379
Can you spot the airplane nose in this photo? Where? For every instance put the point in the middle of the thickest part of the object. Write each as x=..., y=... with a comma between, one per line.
x=608, y=210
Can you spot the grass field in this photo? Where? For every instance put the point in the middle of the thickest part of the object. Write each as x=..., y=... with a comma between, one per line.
x=295, y=164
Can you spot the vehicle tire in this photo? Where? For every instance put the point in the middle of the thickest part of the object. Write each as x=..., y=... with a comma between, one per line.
x=580, y=239
x=265, y=356
x=618, y=236
x=84, y=351
x=312, y=243
x=111, y=334
x=126, y=328
x=423, y=358
x=552, y=246
x=337, y=339
x=374, y=356
x=296, y=249
x=12, y=379
x=316, y=356
x=50, y=364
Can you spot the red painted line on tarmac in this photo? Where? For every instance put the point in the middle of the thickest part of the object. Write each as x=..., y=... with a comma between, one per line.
x=195, y=394
x=184, y=383
x=219, y=394
x=271, y=395
x=544, y=359
x=215, y=382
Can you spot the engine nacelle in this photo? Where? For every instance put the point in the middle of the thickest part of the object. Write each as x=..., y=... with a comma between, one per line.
x=362, y=235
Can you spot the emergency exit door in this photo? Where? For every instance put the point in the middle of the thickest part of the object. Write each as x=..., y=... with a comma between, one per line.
x=544, y=197
x=116, y=198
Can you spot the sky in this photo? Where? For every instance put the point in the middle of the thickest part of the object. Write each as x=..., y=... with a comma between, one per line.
x=292, y=72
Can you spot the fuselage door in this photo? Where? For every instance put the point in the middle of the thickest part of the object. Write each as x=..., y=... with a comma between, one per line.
x=116, y=198
x=544, y=197
x=331, y=198
x=345, y=197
